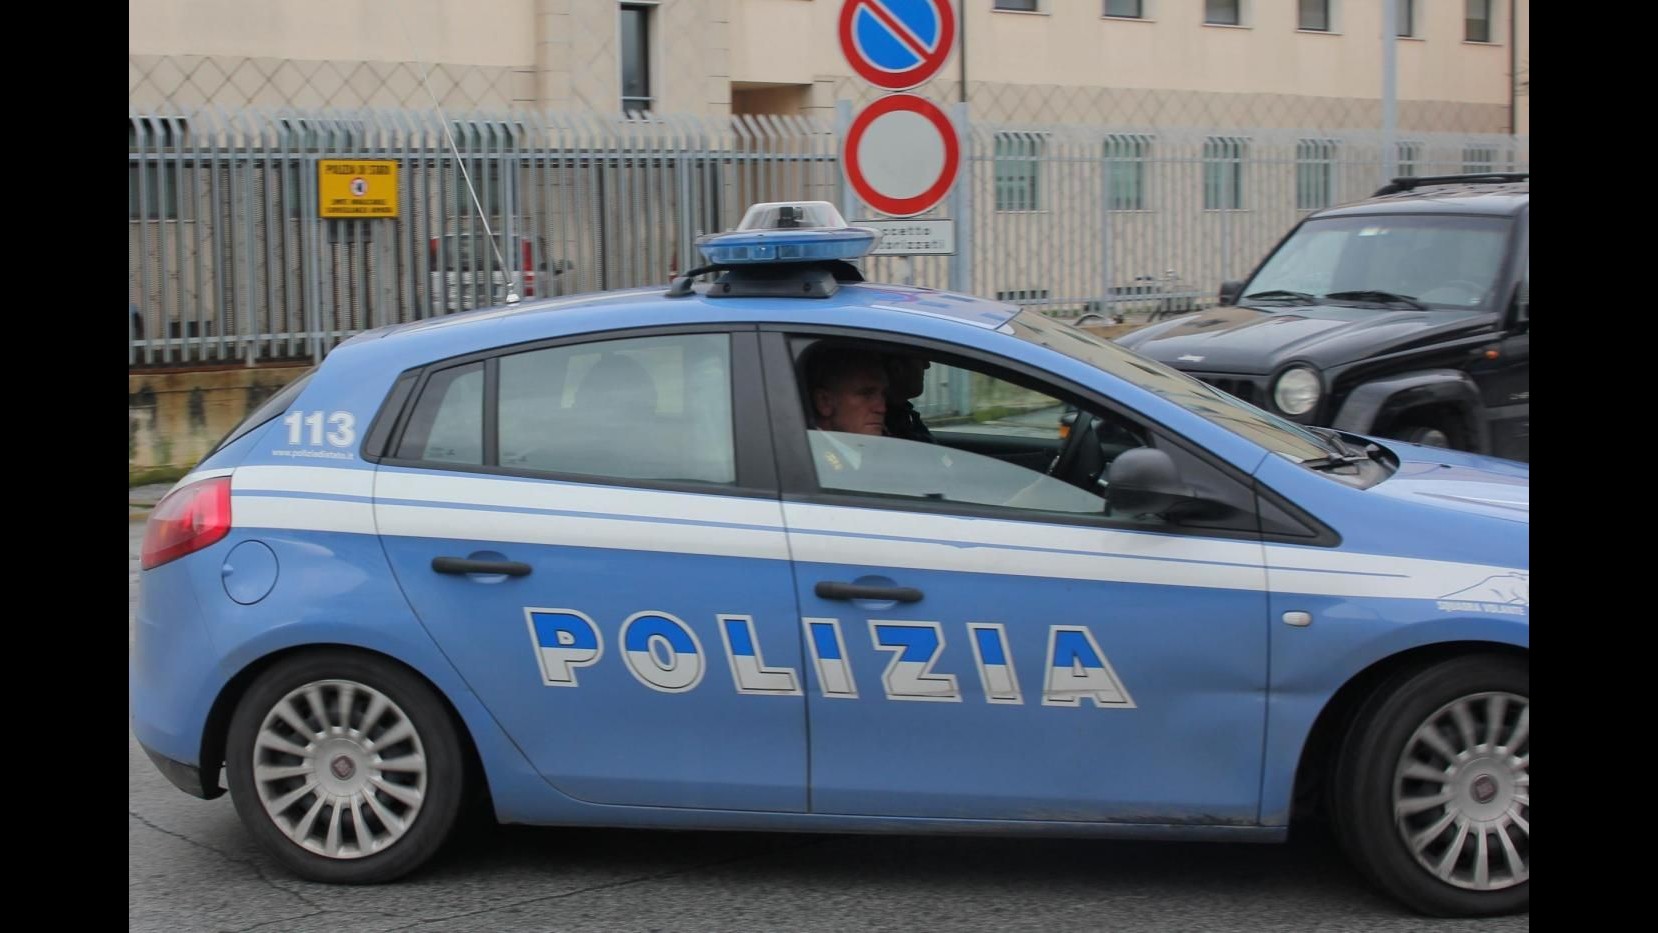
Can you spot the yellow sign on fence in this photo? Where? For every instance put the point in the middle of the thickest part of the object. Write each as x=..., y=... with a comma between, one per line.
x=354, y=188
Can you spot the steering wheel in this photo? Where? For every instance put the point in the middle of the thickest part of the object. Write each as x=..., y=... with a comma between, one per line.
x=1473, y=288
x=1082, y=434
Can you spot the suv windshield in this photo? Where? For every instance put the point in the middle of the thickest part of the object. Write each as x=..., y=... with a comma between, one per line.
x=1393, y=261
x=1240, y=417
x=462, y=253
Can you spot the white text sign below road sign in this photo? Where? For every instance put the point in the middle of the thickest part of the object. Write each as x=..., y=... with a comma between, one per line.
x=931, y=237
x=901, y=155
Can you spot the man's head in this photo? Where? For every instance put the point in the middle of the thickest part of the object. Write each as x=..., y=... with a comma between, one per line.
x=906, y=375
x=848, y=391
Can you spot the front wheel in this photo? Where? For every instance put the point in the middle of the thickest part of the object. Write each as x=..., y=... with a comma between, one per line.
x=1432, y=791
x=346, y=767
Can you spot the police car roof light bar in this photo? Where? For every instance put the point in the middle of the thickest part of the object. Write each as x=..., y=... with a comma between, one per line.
x=789, y=231
x=797, y=249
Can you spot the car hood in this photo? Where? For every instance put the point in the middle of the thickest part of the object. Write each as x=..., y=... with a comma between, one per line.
x=1247, y=340
x=1450, y=479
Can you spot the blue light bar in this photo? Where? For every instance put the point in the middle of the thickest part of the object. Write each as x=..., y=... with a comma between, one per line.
x=757, y=246
x=789, y=231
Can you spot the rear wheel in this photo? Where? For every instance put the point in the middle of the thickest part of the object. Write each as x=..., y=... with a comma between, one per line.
x=1432, y=789
x=345, y=767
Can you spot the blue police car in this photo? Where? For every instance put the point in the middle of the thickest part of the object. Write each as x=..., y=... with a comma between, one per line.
x=790, y=550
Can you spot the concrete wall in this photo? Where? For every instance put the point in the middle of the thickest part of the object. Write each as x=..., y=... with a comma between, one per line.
x=174, y=418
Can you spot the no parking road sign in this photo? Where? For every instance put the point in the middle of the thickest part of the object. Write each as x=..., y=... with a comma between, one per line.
x=901, y=155
x=897, y=44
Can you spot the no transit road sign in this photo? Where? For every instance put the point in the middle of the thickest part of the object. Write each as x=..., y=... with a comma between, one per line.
x=901, y=155
x=897, y=44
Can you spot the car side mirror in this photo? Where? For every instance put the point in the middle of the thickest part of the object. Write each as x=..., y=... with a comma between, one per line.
x=1145, y=481
x=1229, y=291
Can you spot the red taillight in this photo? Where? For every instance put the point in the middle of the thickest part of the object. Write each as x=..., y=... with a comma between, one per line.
x=188, y=520
x=529, y=268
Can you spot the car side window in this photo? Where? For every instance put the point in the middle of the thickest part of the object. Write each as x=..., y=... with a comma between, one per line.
x=640, y=408
x=889, y=423
x=447, y=425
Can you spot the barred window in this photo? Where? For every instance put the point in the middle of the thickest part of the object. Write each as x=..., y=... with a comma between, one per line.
x=155, y=174
x=1018, y=171
x=1125, y=171
x=1315, y=170
x=1223, y=174
x=1407, y=18
x=1477, y=21
x=636, y=59
x=1314, y=15
x=1223, y=12
x=1410, y=155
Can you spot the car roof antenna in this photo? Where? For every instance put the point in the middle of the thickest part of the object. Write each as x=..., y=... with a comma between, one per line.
x=449, y=137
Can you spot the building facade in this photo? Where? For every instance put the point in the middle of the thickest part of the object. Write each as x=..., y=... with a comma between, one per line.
x=1463, y=65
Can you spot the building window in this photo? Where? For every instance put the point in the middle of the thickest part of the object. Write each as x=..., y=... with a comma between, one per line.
x=1018, y=171
x=1126, y=9
x=1407, y=18
x=1223, y=12
x=1125, y=171
x=1410, y=155
x=1478, y=159
x=636, y=59
x=1315, y=15
x=1223, y=173
x=1315, y=172
x=1477, y=21
x=1017, y=6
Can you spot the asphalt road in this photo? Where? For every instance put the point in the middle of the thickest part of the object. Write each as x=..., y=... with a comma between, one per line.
x=191, y=867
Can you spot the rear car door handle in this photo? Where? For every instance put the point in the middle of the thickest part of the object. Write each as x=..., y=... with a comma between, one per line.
x=511, y=568
x=829, y=589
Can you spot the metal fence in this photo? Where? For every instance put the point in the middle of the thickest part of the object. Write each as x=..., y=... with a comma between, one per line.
x=229, y=262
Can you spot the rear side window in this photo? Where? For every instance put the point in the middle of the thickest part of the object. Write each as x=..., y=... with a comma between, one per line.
x=270, y=408
x=645, y=408
x=447, y=426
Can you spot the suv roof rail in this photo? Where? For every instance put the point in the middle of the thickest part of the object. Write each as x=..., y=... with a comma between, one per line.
x=1410, y=182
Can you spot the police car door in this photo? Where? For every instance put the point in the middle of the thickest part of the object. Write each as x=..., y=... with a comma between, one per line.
x=1035, y=661
x=590, y=530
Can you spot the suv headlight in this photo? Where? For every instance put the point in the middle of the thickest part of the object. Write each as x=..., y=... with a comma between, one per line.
x=1296, y=391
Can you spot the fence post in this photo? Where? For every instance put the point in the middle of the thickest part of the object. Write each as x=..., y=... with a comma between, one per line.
x=843, y=124
x=961, y=203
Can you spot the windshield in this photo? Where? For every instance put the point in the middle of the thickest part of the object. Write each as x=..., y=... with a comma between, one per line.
x=1437, y=261
x=1264, y=428
x=463, y=253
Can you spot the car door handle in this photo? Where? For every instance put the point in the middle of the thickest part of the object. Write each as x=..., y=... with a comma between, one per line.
x=830, y=589
x=511, y=568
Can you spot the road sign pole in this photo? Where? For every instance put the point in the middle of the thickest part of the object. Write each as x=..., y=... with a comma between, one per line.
x=843, y=124
x=961, y=204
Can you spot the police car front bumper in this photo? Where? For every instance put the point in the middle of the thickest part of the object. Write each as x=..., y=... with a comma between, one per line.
x=187, y=778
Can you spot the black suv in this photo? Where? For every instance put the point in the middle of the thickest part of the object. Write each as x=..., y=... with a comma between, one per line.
x=1406, y=315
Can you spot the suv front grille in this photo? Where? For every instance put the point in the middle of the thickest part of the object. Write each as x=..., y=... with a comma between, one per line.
x=1243, y=387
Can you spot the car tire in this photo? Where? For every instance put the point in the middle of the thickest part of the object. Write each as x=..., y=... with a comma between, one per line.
x=1431, y=790
x=1428, y=435
x=334, y=795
